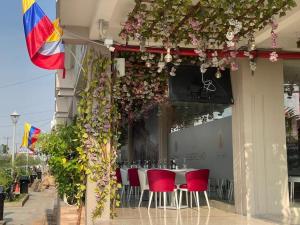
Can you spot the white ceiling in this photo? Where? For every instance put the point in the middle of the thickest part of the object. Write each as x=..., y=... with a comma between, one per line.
x=288, y=31
x=87, y=13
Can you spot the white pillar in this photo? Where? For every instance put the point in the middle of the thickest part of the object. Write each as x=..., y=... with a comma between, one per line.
x=90, y=201
x=259, y=145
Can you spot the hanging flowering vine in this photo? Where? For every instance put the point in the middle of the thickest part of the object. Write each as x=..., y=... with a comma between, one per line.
x=274, y=36
x=142, y=88
x=206, y=25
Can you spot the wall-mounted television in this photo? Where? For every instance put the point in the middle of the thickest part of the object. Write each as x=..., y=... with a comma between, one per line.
x=189, y=85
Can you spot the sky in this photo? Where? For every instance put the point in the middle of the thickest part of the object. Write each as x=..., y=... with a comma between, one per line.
x=23, y=87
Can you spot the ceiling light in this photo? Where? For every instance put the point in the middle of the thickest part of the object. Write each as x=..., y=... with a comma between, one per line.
x=218, y=74
x=168, y=56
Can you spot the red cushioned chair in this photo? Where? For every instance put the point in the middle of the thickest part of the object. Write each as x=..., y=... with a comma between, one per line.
x=197, y=181
x=134, y=181
x=161, y=181
x=119, y=180
x=118, y=175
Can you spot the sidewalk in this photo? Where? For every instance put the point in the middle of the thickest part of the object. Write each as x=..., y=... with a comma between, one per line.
x=35, y=210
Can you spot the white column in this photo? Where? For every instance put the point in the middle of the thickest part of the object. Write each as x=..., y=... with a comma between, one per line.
x=259, y=146
x=90, y=202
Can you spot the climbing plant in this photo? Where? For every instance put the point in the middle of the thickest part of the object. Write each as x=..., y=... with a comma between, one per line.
x=98, y=127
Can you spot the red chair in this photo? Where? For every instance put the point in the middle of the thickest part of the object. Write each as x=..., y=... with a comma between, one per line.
x=118, y=175
x=197, y=181
x=134, y=181
x=161, y=181
x=119, y=180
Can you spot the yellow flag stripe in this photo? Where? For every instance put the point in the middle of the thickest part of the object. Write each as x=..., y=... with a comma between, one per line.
x=27, y=127
x=56, y=35
x=27, y=4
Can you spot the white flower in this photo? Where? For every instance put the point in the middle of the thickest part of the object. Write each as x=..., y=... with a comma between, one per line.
x=215, y=62
x=203, y=67
x=231, y=22
x=252, y=66
x=230, y=44
x=144, y=57
x=230, y=35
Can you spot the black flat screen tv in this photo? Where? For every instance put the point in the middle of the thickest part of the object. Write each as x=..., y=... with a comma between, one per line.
x=189, y=85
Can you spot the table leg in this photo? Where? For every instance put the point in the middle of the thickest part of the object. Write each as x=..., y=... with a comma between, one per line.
x=293, y=191
x=290, y=191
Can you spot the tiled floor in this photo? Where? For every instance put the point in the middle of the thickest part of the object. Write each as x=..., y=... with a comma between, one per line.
x=130, y=214
x=135, y=216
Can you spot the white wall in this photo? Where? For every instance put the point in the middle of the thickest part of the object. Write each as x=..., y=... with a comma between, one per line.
x=205, y=146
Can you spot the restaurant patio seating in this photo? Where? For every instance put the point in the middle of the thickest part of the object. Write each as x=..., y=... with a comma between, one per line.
x=161, y=181
x=197, y=181
x=134, y=181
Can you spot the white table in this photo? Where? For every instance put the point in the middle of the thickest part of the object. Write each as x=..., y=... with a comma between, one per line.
x=293, y=180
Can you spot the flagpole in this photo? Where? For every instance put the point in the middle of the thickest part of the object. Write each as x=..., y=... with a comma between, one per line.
x=27, y=160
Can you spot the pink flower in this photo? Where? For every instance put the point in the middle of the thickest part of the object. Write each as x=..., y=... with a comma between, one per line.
x=123, y=35
x=234, y=66
x=194, y=24
x=194, y=40
x=273, y=57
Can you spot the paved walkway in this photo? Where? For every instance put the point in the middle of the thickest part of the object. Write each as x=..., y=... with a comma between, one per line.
x=35, y=210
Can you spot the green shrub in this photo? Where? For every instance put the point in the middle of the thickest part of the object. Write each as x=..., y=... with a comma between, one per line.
x=61, y=147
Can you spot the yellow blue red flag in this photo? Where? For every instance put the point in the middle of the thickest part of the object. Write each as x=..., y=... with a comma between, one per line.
x=30, y=136
x=43, y=38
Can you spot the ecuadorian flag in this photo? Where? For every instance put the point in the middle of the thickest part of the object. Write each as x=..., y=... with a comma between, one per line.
x=43, y=38
x=30, y=136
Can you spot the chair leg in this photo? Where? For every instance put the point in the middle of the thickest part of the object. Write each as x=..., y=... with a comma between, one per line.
x=197, y=197
x=176, y=199
x=155, y=199
x=129, y=195
x=205, y=194
x=180, y=198
x=122, y=192
x=150, y=199
x=159, y=199
x=191, y=199
x=187, y=198
x=165, y=200
x=141, y=198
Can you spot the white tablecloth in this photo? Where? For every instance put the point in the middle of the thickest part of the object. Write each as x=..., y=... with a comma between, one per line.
x=179, y=179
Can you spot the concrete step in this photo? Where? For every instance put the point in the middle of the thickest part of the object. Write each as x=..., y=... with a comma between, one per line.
x=69, y=215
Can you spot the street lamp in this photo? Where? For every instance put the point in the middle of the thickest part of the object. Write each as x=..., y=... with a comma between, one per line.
x=14, y=118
